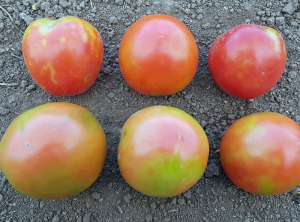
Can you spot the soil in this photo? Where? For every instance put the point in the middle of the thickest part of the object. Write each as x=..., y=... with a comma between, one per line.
x=112, y=101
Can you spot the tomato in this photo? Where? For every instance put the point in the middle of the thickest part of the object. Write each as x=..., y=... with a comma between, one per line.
x=247, y=61
x=260, y=153
x=163, y=151
x=158, y=55
x=53, y=151
x=63, y=56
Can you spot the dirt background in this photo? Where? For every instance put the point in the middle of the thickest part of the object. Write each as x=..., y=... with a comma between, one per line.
x=112, y=101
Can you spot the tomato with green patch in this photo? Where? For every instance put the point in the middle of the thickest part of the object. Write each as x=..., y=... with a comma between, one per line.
x=247, y=61
x=158, y=55
x=53, y=151
x=260, y=153
x=163, y=151
x=63, y=56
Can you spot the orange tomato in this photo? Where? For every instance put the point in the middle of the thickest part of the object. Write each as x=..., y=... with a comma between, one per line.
x=158, y=55
x=53, y=151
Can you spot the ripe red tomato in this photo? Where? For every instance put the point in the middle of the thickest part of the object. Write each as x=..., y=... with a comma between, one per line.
x=163, y=151
x=158, y=55
x=260, y=153
x=53, y=151
x=247, y=61
x=63, y=56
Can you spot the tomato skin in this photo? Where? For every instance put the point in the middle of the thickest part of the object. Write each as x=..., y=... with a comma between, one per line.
x=63, y=56
x=53, y=151
x=158, y=55
x=163, y=151
x=247, y=61
x=260, y=153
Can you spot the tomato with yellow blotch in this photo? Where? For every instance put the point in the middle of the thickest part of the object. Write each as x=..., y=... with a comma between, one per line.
x=53, y=151
x=158, y=55
x=163, y=151
x=260, y=153
x=247, y=61
x=63, y=56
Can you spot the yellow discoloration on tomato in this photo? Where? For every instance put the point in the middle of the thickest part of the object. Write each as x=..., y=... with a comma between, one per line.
x=74, y=50
x=44, y=42
x=163, y=151
x=273, y=34
x=260, y=153
x=53, y=151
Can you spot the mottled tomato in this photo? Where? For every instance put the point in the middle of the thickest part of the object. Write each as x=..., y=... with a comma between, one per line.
x=158, y=55
x=260, y=153
x=247, y=61
x=63, y=56
x=163, y=151
x=53, y=151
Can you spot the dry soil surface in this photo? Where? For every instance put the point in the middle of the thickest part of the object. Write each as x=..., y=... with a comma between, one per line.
x=112, y=101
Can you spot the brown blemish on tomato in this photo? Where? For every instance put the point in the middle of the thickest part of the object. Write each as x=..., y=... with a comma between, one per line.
x=87, y=79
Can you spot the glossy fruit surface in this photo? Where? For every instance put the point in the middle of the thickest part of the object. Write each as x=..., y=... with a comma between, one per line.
x=63, y=56
x=260, y=153
x=53, y=151
x=247, y=61
x=158, y=55
x=163, y=151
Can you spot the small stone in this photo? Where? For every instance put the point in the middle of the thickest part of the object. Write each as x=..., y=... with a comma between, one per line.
x=30, y=87
x=174, y=201
x=279, y=20
x=231, y=116
x=127, y=198
x=271, y=21
x=96, y=195
x=181, y=201
x=42, y=204
x=3, y=111
x=292, y=74
x=86, y=217
x=101, y=199
x=82, y=4
x=188, y=194
x=1, y=26
x=206, y=26
x=200, y=17
x=55, y=218
x=22, y=15
x=113, y=20
x=188, y=96
x=45, y=5
x=111, y=95
x=289, y=8
x=149, y=218
x=24, y=84
x=28, y=19
x=119, y=2
x=212, y=169
x=294, y=23
x=153, y=205
x=1, y=198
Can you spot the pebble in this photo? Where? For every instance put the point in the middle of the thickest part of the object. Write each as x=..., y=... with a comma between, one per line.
x=153, y=205
x=188, y=194
x=181, y=201
x=1, y=26
x=113, y=20
x=86, y=217
x=24, y=84
x=55, y=218
x=119, y=2
x=82, y=4
x=271, y=21
x=4, y=111
x=149, y=218
x=289, y=8
x=212, y=169
x=1, y=198
x=279, y=20
x=45, y=5
x=127, y=198
x=30, y=87
x=28, y=19
x=111, y=95
x=96, y=195
x=42, y=204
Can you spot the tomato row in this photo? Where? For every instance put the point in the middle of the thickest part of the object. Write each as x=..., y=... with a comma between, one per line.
x=158, y=55
x=59, y=149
